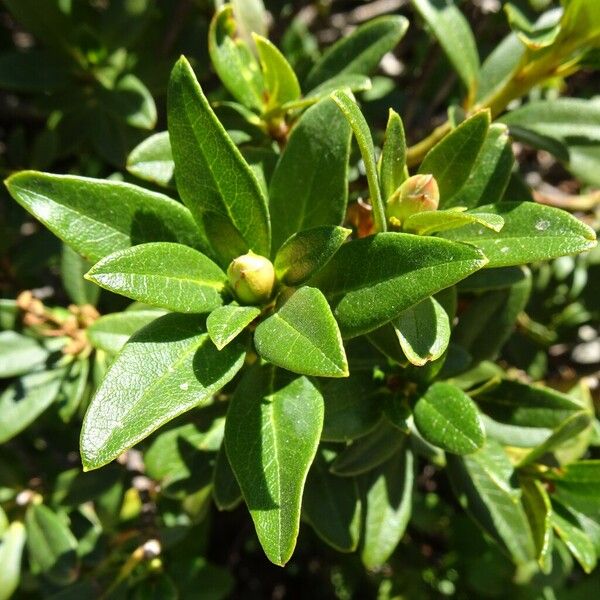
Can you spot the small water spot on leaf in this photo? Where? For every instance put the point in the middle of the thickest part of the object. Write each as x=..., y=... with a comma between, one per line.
x=542, y=225
x=184, y=386
x=504, y=249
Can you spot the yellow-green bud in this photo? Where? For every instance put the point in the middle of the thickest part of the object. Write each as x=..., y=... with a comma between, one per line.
x=251, y=278
x=417, y=194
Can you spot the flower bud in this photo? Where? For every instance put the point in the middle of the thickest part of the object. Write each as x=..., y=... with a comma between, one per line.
x=417, y=194
x=251, y=278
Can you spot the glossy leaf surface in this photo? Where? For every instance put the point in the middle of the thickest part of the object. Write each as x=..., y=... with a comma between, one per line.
x=371, y=281
x=302, y=336
x=226, y=322
x=271, y=435
x=97, y=217
x=152, y=160
x=162, y=274
x=168, y=367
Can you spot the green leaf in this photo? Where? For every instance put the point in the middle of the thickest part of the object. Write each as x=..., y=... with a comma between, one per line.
x=360, y=52
x=452, y=160
x=352, y=407
x=578, y=486
x=369, y=451
x=11, y=552
x=490, y=173
x=26, y=399
x=354, y=83
x=392, y=168
x=560, y=119
x=72, y=269
x=152, y=160
x=446, y=417
x=271, y=435
x=166, y=369
x=225, y=323
x=34, y=71
x=423, y=331
x=576, y=540
x=538, y=509
x=281, y=84
x=387, y=507
x=362, y=133
x=97, y=217
x=372, y=280
x=312, y=170
x=162, y=274
x=526, y=405
x=303, y=254
x=533, y=37
x=429, y=222
x=302, y=336
x=111, y=332
x=454, y=35
x=567, y=431
x=493, y=279
x=482, y=484
x=233, y=60
x=72, y=389
x=331, y=505
x=52, y=547
x=213, y=179
x=226, y=490
x=581, y=20
x=531, y=232
x=20, y=354
x=485, y=326
x=130, y=101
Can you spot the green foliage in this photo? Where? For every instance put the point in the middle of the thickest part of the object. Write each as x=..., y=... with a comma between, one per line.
x=303, y=319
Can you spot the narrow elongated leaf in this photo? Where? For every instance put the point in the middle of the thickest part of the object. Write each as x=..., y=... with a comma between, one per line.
x=451, y=160
x=578, y=486
x=493, y=279
x=568, y=430
x=427, y=223
x=233, y=60
x=26, y=399
x=362, y=133
x=11, y=552
x=163, y=274
x=302, y=336
x=454, y=35
x=352, y=408
x=225, y=323
x=360, y=52
x=538, y=509
x=97, y=217
x=111, y=332
x=302, y=255
x=72, y=389
x=167, y=368
x=531, y=232
x=387, y=507
x=354, y=83
x=52, y=547
x=559, y=119
x=490, y=173
x=423, y=331
x=226, y=490
x=271, y=435
x=576, y=540
x=369, y=451
x=213, y=179
x=486, y=325
x=72, y=269
x=281, y=84
x=446, y=417
x=332, y=506
x=152, y=160
x=482, y=484
x=392, y=168
x=20, y=354
x=372, y=280
x=313, y=172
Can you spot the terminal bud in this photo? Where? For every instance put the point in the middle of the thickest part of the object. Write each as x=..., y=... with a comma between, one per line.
x=251, y=278
x=417, y=194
